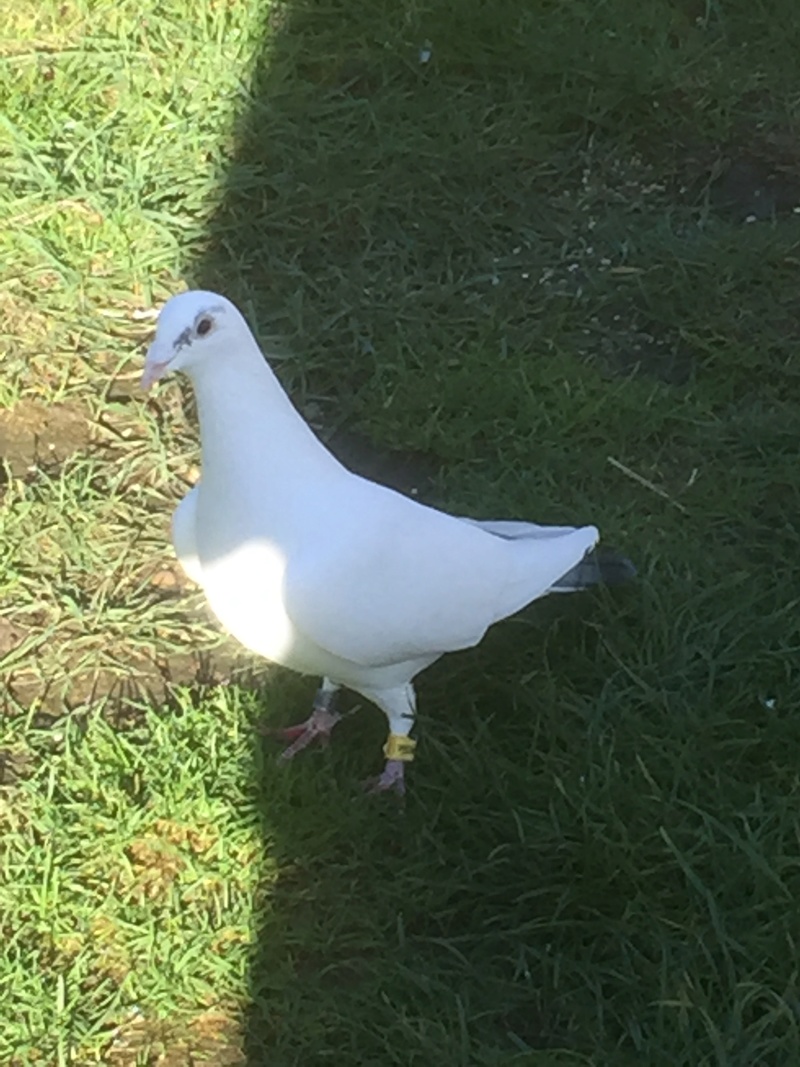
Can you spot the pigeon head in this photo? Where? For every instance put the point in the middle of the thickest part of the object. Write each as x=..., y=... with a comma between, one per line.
x=193, y=328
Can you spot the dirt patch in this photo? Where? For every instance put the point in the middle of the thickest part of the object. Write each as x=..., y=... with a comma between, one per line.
x=752, y=177
x=72, y=668
x=212, y=1037
x=21, y=319
x=16, y=764
x=122, y=688
x=35, y=435
x=11, y=636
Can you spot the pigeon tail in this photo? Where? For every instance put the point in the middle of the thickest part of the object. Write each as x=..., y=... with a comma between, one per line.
x=600, y=566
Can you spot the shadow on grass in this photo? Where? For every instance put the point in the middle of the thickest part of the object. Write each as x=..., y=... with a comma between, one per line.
x=421, y=199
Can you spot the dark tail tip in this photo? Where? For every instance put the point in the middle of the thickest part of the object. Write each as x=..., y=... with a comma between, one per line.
x=614, y=568
x=600, y=566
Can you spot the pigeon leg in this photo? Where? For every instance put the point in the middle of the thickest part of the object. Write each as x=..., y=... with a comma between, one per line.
x=317, y=726
x=399, y=707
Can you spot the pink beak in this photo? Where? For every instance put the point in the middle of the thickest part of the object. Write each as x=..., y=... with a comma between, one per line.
x=154, y=369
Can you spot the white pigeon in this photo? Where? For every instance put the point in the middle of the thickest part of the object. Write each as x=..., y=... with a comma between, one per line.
x=325, y=572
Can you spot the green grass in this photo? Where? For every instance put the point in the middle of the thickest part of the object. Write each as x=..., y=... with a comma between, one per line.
x=515, y=278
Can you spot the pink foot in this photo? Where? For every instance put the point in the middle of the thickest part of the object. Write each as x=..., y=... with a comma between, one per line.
x=392, y=779
x=317, y=727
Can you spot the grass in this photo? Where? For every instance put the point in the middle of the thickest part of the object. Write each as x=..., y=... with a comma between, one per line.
x=518, y=278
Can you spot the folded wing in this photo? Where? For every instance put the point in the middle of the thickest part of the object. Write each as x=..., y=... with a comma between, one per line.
x=391, y=580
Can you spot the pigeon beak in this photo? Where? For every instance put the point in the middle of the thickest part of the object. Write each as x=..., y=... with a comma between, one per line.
x=154, y=369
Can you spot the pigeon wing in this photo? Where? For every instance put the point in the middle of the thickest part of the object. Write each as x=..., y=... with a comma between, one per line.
x=392, y=580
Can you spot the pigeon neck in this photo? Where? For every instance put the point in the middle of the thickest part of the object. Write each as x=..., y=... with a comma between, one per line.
x=248, y=423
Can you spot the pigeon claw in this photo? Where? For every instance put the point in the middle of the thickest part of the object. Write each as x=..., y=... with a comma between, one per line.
x=391, y=779
x=317, y=727
x=288, y=733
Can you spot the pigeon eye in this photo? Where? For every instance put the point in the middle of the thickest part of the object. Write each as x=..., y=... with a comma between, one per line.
x=204, y=327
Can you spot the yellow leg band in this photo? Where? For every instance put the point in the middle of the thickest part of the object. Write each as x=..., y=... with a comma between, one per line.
x=398, y=747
